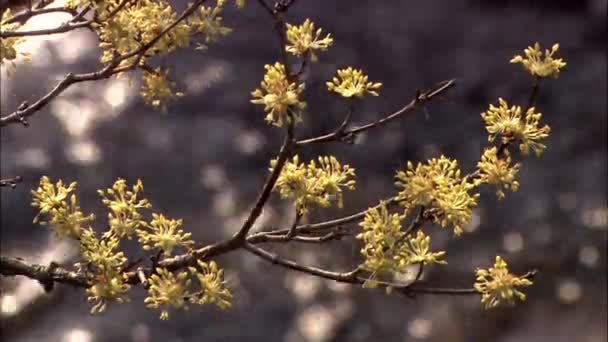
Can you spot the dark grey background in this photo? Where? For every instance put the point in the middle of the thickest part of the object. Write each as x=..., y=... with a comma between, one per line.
x=559, y=210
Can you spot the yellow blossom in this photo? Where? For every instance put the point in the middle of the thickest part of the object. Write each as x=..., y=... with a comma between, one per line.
x=498, y=171
x=381, y=237
x=212, y=284
x=352, y=82
x=107, y=287
x=164, y=235
x=124, y=216
x=497, y=285
x=439, y=187
x=417, y=251
x=49, y=196
x=138, y=23
x=536, y=65
x=304, y=39
x=66, y=217
x=167, y=290
x=157, y=89
x=387, y=250
x=101, y=254
x=509, y=123
x=320, y=184
x=209, y=23
x=279, y=96
x=103, y=264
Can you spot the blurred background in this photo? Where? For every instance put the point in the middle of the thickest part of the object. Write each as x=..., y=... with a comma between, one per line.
x=205, y=158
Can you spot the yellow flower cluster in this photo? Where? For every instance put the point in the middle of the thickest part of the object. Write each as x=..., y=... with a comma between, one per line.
x=168, y=290
x=124, y=216
x=279, y=96
x=8, y=49
x=497, y=285
x=303, y=39
x=103, y=264
x=156, y=88
x=209, y=23
x=66, y=217
x=141, y=22
x=498, y=171
x=508, y=123
x=307, y=184
x=164, y=235
x=536, y=65
x=387, y=249
x=211, y=280
x=137, y=24
x=438, y=187
x=352, y=82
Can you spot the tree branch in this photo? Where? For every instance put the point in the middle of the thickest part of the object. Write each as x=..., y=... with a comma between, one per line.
x=25, y=110
x=420, y=99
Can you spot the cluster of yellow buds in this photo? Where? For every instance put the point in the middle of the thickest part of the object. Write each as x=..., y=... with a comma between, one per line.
x=307, y=184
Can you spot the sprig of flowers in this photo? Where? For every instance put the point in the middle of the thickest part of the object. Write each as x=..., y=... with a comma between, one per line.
x=303, y=39
x=124, y=216
x=168, y=290
x=212, y=284
x=209, y=23
x=156, y=89
x=164, y=235
x=103, y=264
x=66, y=217
x=497, y=285
x=137, y=24
x=498, y=171
x=320, y=184
x=279, y=96
x=509, y=123
x=536, y=65
x=352, y=83
x=172, y=290
x=387, y=249
x=417, y=251
x=439, y=187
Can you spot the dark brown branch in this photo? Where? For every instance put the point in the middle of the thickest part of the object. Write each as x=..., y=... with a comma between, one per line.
x=345, y=277
x=65, y=27
x=145, y=47
x=350, y=277
x=266, y=7
x=420, y=99
x=284, y=154
x=23, y=16
x=21, y=114
x=44, y=274
x=315, y=227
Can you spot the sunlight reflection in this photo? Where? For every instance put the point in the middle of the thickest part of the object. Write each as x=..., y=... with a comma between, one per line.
x=78, y=335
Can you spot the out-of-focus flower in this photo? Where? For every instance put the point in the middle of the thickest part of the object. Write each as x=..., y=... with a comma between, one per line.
x=536, y=65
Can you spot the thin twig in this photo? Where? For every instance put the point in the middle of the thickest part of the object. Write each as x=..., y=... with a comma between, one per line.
x=28, y=110
x=23, y=16
x=65, y=27
x=420, y=99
